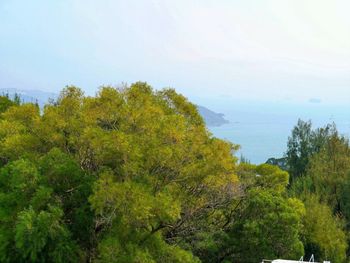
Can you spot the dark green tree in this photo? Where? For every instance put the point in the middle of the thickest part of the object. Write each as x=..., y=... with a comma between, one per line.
x=303, y=144
x=5, y=103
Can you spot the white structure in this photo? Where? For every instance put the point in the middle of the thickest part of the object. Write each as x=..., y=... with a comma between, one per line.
x=290, y=261
x=301, y=260
x=294, y=261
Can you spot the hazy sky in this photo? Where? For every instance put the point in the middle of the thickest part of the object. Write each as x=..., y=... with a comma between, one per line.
x=285, y=50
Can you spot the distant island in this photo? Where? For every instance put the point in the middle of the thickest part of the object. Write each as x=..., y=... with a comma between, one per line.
x=211, y=118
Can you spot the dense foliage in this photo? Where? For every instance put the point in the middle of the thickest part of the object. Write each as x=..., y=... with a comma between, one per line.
x=120, y=177
x=133, y=175
x=323, y=185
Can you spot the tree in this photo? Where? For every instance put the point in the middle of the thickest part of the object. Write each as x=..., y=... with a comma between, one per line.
x=5, y=103
x=329, y=171
x=123, y=176
x=268, y=224
x=323, y=187
x=323, y=233
x=164, y=171
x=303, y=144
x=263, y=223
x=32, y=228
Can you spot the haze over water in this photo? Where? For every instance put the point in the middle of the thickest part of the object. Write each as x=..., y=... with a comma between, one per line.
x=262, y=129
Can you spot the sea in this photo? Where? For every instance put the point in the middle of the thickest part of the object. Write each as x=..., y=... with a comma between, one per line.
x=262, y=128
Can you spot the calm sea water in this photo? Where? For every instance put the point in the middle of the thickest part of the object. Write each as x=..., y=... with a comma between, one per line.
x=262, y=129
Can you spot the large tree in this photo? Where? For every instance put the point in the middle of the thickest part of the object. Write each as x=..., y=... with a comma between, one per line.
x=303, y=143
x=112, y=178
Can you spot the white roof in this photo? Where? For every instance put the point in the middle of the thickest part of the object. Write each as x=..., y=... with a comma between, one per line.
x=288, y=261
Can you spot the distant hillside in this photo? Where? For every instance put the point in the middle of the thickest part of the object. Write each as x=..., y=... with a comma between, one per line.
x=280, y=162
x=212, y=118
x=41, y=97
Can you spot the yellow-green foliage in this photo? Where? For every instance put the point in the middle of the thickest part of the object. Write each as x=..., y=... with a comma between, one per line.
x=323, y=231
x=106, y=178
x=133, y=175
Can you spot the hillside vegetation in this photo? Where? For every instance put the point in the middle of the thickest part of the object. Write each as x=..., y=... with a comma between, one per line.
x=133, y=175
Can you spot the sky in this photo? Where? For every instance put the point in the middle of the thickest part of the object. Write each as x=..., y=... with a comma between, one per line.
x=265, y=50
